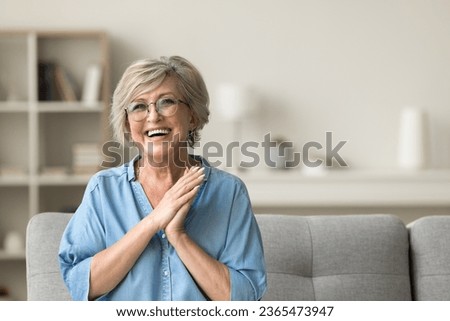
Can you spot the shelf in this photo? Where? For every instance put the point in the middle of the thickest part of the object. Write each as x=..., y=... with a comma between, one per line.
x=5, y=256
x=349, y=189
x=69, y=107
x=344, y=175
x=63, y=180
x=14, y=180
x=38, y=132
x=13, y=107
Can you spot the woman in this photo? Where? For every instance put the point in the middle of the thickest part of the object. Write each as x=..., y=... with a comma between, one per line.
x=165, y=226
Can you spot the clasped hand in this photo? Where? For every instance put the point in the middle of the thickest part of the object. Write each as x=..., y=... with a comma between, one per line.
x=174, y=206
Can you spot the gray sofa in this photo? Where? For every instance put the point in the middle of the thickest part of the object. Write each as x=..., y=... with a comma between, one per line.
x=342, y=257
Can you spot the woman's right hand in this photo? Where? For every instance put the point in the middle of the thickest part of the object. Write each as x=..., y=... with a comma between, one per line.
x=180, y=194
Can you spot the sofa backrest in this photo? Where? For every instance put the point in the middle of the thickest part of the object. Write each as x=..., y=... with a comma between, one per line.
x=339, y=257
x=44, y=281
x=336, y=257
x=430, y=258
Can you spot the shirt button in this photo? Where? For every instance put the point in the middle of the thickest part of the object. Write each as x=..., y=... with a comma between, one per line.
x=163, y=236
x=166, y=273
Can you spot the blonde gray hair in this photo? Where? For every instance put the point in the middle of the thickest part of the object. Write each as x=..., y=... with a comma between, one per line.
x=145, y=75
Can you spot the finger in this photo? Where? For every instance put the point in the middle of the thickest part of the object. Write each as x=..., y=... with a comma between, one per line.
x=188, y=197
x=193, y=172
x=188, y=181
x=189, y=174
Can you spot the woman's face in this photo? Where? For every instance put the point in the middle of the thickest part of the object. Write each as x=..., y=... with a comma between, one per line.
x=162, y=138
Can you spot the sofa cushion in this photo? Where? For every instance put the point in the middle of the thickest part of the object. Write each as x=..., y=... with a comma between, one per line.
x=44, y=281
x=342, y=257
x=430, y=258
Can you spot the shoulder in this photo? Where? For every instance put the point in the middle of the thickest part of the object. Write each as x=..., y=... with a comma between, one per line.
x=109, y=176
x=221, y=178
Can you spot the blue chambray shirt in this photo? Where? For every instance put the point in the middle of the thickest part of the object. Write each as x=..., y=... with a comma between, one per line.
x=220, y=221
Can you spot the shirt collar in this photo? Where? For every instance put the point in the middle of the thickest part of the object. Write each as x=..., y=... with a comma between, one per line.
x=205, y=164
x=130, y=168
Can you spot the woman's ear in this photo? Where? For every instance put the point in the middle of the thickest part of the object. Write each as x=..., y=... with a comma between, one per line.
x=193, y=122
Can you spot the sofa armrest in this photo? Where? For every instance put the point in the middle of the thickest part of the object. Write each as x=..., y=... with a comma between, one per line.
x=430, y=258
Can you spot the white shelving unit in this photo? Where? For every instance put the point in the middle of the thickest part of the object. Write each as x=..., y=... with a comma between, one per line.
x=35, y=134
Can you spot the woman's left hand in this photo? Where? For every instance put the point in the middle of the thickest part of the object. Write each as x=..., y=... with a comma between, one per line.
x=176, y=226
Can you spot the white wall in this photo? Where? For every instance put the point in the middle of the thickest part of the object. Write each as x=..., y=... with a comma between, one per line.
x=346, y=66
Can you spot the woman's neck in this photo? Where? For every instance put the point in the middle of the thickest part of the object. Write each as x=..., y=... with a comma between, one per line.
x=168, y=171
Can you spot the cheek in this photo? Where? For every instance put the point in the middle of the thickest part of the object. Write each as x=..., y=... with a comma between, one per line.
x=135, y=129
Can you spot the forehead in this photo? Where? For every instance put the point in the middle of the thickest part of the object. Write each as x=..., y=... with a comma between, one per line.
x=168, y=86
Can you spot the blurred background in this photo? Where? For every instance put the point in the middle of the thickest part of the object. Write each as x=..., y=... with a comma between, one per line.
x=343, y=66
x=375, y=74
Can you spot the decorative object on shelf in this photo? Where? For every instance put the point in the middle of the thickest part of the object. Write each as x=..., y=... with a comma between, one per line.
x=92, y=85
x=282, y=153
x=86, y=158
x=4, y=294
x=12, y=171
x=14, y=243
x=235, y=103
x=413, y=145
x=54, y=171
x=316, y=165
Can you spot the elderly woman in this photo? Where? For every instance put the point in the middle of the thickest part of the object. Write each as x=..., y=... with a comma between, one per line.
x=166, y=225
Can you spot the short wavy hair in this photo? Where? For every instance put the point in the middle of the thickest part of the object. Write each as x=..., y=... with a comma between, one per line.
x=145, y=75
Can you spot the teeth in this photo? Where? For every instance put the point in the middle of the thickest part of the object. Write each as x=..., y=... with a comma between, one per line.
x=157, y=132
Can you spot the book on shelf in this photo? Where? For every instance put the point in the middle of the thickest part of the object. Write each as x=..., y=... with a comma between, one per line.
x=55, y=82
x=86, y=158
x=46, y=81
x=64, y=84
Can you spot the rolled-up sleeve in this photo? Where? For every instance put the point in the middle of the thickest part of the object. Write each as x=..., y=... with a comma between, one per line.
x=244, y=253
x=81, y=240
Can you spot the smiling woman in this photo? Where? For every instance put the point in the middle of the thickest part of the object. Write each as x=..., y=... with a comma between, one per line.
x=144, y=76
x=162, y=131
x=166, y=225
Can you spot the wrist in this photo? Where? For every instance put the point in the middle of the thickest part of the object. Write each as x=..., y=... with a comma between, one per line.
x=176, y=237
x=154, y=223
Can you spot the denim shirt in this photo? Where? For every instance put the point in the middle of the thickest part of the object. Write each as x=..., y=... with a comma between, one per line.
x=220, y=221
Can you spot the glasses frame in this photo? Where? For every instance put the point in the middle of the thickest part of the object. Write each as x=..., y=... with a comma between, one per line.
x=157, y=109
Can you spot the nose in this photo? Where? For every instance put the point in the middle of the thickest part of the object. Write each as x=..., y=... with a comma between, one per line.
x=152, y=114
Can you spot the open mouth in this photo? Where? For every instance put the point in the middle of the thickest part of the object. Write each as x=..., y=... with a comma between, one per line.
x=158, y=132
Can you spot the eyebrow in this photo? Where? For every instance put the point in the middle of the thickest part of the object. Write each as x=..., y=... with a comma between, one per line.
x=161, y=95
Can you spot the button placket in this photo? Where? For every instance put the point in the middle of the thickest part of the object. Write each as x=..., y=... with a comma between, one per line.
x=165, y=271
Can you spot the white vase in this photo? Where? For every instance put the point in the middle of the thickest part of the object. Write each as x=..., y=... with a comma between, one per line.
x=413, y=144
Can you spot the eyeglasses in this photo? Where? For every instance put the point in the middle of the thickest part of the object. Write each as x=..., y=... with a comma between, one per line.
x=165, y=106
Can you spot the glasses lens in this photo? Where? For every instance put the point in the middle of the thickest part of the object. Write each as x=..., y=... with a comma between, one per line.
x=137, y=111
x=166, y=106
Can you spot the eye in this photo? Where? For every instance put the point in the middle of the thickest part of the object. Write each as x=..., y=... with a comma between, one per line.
x=166, y=102
x=137, y=107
